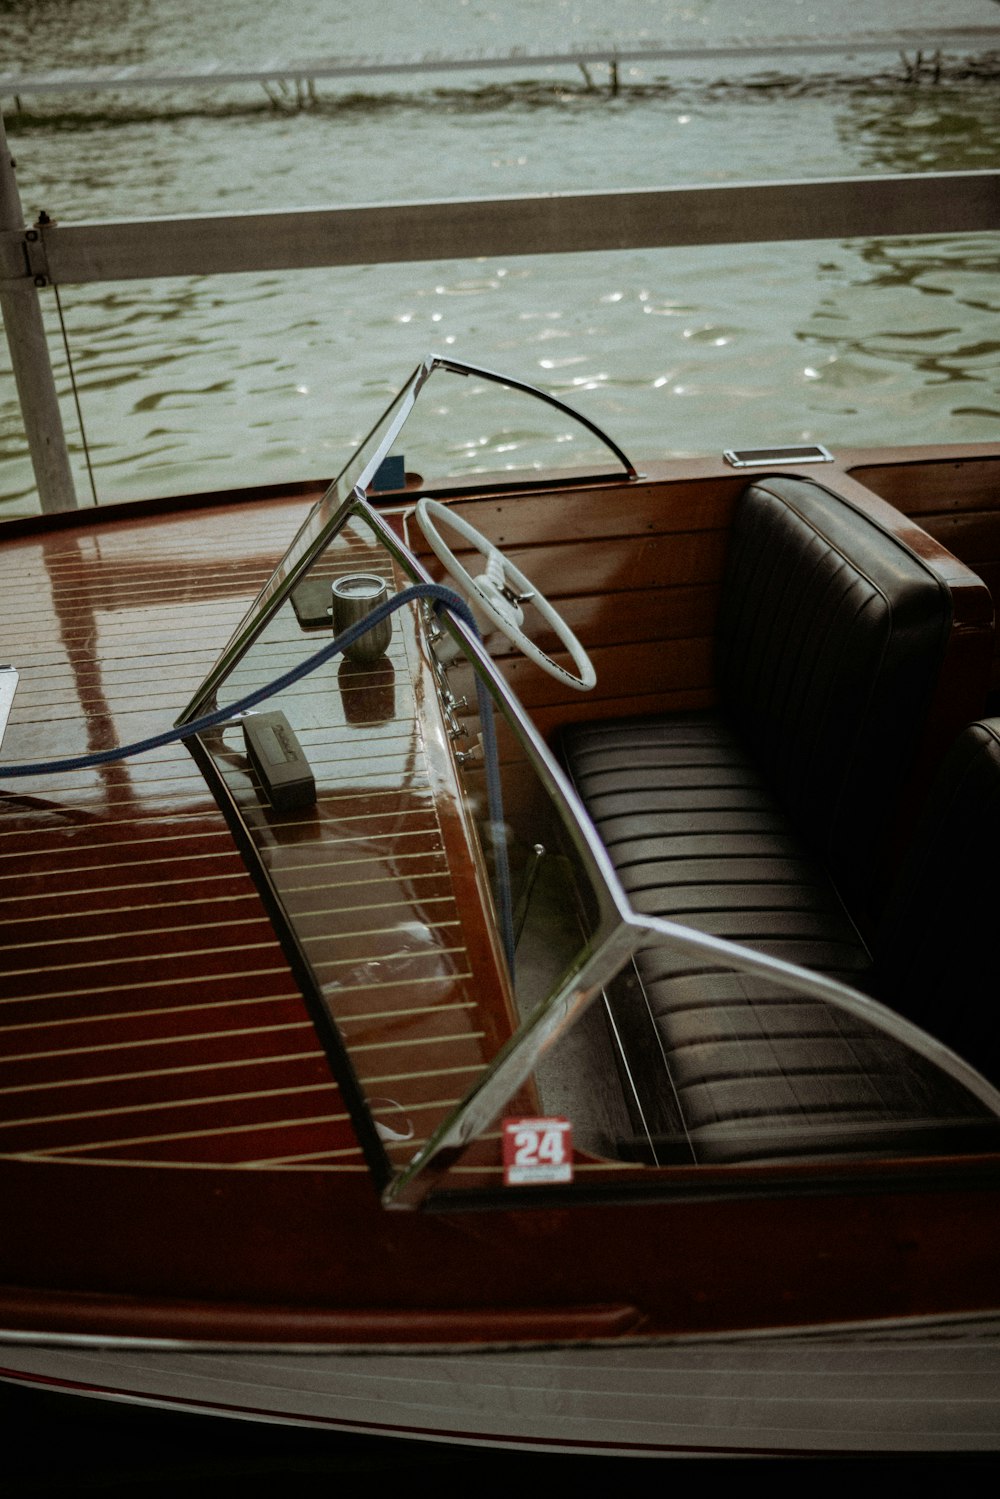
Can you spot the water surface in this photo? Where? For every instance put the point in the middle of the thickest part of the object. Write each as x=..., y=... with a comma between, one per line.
x=198, y=383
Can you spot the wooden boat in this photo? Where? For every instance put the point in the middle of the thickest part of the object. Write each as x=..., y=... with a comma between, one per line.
x=438, y=1047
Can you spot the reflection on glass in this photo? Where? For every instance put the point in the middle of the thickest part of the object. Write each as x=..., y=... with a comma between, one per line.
x=368, y=696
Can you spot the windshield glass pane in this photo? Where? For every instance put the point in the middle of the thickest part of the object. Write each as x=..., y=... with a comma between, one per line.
x=473, y=422
x=719, y=1065
x=434, y=908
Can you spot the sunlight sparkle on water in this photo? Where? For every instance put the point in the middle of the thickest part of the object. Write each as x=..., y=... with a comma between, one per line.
x=355, y=329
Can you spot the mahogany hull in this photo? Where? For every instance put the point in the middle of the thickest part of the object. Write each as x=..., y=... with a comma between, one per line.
x=183, y=1184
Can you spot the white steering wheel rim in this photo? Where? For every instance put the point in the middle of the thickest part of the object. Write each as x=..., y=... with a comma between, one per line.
x=429, y=513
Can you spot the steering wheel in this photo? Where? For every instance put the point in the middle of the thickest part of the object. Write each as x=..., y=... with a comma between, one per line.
x=499, y=593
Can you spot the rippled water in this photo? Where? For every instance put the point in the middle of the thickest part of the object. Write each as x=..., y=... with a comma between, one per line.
x=203, y=382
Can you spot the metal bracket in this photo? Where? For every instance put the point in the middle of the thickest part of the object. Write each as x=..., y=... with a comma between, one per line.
x=37, y=254
x=23, y=257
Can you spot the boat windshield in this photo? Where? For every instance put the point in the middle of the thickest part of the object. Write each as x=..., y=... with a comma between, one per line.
x=446, y=904
x=381, y=469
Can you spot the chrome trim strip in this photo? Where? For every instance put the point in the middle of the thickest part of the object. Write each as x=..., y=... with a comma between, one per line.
x=891, y=1327
x=9, y=678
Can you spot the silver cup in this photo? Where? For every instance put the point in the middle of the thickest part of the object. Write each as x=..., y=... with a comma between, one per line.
x=354, y=597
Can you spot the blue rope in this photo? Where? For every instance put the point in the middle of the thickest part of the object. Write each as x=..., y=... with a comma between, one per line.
x=446, y=598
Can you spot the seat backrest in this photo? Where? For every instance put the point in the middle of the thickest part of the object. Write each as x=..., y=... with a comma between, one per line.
x=831, y=638
x=937, y=958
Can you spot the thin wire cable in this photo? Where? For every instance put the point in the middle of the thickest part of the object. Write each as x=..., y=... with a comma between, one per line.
x=76, y=394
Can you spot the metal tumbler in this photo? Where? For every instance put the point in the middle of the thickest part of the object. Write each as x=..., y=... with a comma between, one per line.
x=354, y=597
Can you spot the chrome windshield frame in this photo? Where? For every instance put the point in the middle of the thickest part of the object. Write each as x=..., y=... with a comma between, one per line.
x=322, y=521
x=459, y=367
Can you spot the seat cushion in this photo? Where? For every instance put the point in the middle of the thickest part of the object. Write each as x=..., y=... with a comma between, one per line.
x=697, y=837
x=723, y=1066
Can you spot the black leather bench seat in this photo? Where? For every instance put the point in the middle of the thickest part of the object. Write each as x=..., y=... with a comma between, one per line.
x=723, y=1066
x=770, y=821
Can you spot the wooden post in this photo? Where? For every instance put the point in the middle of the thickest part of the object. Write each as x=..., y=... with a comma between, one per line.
x=29, y=357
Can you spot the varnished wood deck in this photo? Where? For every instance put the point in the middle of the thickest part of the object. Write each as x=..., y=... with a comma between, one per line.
x=147, y=1012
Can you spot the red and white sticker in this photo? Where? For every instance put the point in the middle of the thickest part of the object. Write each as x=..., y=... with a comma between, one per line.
x=537, y=1151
